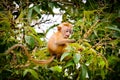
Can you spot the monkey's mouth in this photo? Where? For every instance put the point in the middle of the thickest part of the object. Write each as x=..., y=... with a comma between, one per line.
x=67, y=36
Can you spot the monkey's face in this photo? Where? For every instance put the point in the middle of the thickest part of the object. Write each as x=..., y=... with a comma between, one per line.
x=66, y=31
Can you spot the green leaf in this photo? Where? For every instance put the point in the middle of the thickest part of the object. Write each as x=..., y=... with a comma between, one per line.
x=70, y=63
x=25, y=72
x=4, y=25
x=37, y=9
x=30, y=13
x=33, y=73
x=114, y=28
x=30, y=41
x=114, y=42
x=92, y=51
x=64, y=55
x=86, y=44
x=37, y=39
x=83, y=72
x=76, y=57
x=102, y=63
x=56, y=68
x=51, y=5
x=32, y=30
x=79, y=23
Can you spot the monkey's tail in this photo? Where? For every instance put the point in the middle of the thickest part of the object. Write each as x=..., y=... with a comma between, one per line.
x=43, y=61
x=29, y=56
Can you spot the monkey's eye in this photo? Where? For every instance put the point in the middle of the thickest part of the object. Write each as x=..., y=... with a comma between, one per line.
x=71, y=32
x=67, y=30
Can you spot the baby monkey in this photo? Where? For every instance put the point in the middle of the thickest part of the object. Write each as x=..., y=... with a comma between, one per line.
x=59, y=40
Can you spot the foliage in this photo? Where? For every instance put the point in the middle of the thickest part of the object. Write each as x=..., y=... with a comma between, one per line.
x=95, y=55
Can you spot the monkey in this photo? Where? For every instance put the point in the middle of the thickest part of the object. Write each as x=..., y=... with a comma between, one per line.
x=56, y=44
x=59, y=40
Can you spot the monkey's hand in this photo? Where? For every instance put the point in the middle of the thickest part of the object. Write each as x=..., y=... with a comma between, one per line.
x=64, y=41
x=72, y=41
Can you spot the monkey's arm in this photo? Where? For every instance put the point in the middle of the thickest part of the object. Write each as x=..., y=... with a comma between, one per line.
x=64, y=41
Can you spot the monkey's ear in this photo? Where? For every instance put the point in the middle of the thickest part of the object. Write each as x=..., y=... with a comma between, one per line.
x=59, y=28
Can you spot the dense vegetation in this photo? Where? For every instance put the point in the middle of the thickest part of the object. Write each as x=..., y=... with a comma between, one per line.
x=95, y=55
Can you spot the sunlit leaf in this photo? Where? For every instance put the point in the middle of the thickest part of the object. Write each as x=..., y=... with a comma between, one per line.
x=98, y=47
x=114, y=42
x=21, y=15
x=102, y=63
x=86, y=44
x=76, y=47
x=56, y=68
x=32, y=30
x=92, y=51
